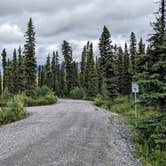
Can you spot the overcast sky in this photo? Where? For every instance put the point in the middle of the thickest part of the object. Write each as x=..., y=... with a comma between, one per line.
x=74, y=20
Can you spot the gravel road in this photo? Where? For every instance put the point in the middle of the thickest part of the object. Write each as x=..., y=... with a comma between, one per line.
x=70, y=133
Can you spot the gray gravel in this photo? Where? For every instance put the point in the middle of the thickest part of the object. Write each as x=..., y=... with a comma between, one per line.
x=70, y=133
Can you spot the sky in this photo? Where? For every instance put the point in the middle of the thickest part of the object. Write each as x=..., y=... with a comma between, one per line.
x=76, y=21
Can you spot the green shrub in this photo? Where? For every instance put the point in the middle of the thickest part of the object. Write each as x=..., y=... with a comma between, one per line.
x=49, y=98
x=4, y=98
x=13, y=111
x=78, y=93
x=41, y=91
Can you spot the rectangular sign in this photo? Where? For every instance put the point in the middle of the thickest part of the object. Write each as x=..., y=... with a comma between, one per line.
x=135, y=88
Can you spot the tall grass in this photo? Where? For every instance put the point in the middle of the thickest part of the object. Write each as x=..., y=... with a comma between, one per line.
x=149, y=155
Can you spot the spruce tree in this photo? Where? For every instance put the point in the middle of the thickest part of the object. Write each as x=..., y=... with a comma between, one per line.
x=141, y=47
x=39, y=75
x=153, y=79
x=83, y=67
x=55, y=72
x=127, y=78
x=4, y=64
x=48, y=72
x=21, y=71
x=30, y=59
x=92, y=74
x=63, y=83
x=67, y=53
x=107, y=63
x=120, y=70
x=15, y=73
x=133, y=51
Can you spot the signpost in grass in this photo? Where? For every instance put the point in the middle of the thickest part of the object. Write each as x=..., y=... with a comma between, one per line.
x=135, y=90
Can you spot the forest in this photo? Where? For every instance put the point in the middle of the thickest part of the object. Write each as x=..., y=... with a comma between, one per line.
x=105, y=79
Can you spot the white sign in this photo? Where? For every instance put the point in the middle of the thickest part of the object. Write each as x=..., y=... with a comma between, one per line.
x=135, y=88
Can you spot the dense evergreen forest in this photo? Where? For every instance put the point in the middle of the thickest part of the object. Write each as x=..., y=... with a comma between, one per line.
x=105, y=77
x=110, y=73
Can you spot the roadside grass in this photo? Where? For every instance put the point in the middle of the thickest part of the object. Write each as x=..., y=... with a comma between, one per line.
x=149, y=156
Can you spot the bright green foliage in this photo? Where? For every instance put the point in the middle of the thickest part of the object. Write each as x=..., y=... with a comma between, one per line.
x=4, y=64
x=30, y=59
x=14, y=111
x=42, y=96
x=133, y=51
x=91, y=74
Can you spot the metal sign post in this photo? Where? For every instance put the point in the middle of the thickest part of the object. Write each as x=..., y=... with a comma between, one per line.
x=135, y=90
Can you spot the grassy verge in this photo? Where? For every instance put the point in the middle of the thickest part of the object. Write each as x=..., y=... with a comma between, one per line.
x=150, y=135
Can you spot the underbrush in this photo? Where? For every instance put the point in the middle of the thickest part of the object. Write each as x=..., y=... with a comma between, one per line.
x=78, y=93
x=13, y=111
x=12, y=108
x=150, y=135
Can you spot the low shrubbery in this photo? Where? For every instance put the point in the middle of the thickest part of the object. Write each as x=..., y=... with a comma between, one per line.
x=13, y=111
x=150, y=135
x=49, y=98
x=13, y=107
x=78, y=93
x=42, y=96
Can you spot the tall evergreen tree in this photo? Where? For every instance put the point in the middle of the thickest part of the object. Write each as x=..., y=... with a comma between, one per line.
x=4, y=64
x=21, y=71
x=48, y=73
x=92, y=74
x=30, y=59
x=141, y=47
x=67, y=53
x=153, y=78
x=120, y=70
x=107, y=63
x=15, y=73
x=133, y=51
x=63, y=83
x=55, y=72
x=127, y=78
x=83, y=66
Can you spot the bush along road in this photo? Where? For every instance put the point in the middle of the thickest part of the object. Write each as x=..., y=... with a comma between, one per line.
x=70, y=133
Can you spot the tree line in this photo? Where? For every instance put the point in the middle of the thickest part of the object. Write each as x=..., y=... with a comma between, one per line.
x=109, y=74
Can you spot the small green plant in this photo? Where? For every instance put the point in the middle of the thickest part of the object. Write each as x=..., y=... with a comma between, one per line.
x=13, y=111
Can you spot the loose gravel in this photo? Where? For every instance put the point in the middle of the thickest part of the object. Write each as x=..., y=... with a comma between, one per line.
x=70, y=133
